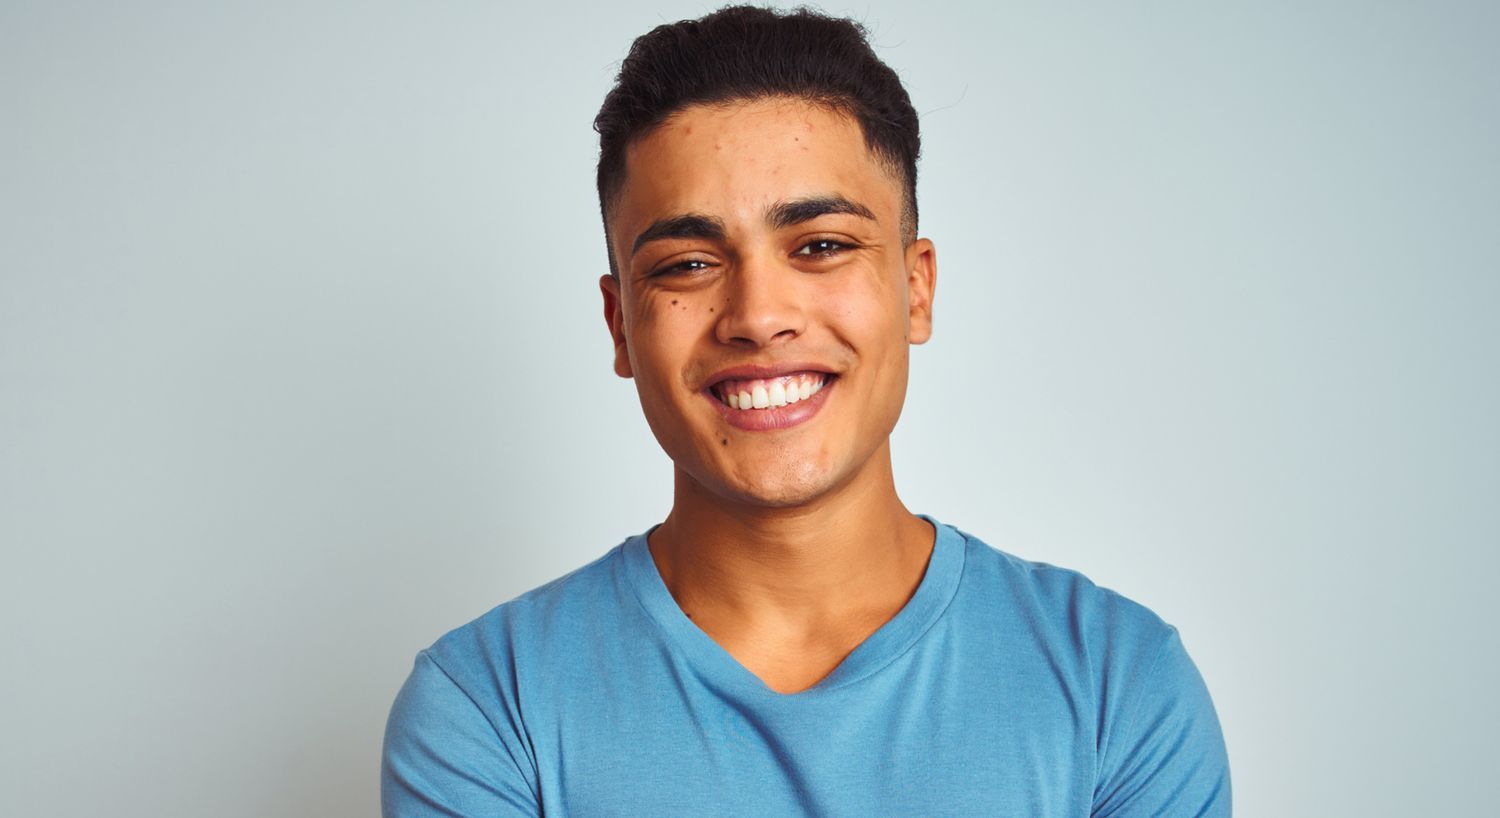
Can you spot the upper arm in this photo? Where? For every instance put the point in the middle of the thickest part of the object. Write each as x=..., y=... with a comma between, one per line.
x=1167, y=755
x=444, y=757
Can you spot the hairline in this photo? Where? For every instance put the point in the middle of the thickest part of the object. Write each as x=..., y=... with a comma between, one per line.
x=835, y=103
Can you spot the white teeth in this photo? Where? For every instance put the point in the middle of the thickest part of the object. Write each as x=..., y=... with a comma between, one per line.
x=770, y=393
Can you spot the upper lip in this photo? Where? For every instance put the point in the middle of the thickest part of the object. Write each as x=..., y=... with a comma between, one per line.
x=753, y=371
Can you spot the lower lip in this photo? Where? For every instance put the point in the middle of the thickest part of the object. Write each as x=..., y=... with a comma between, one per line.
x=780, y=417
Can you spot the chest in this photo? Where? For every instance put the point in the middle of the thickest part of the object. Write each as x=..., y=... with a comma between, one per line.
x=929, y=735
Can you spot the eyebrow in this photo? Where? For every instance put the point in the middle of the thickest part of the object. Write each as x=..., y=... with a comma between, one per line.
x=797, y=211
x=780, y=215
x=686, y=226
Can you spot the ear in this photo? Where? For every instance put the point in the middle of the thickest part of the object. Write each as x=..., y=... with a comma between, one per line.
x=614, y=318
x=921, y=282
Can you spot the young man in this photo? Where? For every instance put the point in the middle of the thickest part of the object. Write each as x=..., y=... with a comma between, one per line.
x=790, y=640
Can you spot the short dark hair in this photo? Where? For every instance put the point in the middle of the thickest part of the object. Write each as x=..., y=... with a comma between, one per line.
x=747, y=52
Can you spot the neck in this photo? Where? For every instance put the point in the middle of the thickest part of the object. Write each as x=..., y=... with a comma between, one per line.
x=853, y=555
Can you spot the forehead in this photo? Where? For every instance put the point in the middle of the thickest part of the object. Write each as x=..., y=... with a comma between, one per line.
x=733, y=160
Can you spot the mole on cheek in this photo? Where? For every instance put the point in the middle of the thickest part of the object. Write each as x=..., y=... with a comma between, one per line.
x=724, y=442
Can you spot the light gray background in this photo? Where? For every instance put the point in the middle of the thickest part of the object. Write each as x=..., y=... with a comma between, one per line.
x=302, y=364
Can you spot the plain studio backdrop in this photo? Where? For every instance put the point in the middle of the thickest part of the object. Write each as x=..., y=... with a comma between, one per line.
x=302, y=364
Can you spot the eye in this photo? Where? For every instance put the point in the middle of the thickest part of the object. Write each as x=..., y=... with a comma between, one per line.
x=692, y=265
x=822, y=248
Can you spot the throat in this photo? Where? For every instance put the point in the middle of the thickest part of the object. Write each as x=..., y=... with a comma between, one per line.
x=789, y=592
x=793, y=665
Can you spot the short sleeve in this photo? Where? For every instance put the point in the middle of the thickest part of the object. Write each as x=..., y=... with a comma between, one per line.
x=1167, y=755
x=443, y=757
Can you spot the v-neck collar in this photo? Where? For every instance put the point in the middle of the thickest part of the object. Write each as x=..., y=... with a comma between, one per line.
x=939, y=584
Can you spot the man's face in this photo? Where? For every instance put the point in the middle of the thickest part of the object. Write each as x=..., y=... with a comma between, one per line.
x=760, y=261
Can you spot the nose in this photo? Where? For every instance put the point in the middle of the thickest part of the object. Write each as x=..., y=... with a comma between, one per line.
x=762, y=306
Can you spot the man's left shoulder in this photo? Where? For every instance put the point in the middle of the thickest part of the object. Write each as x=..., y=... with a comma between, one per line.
x=1060, y=599
x=1160, y=749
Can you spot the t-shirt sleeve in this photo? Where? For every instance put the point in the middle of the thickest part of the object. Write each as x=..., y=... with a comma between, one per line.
x=1167, y=756
x=443, y=757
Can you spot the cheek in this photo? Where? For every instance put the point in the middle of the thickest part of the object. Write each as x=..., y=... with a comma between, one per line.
x=663, y=334
x=867, y=313
x=670, y=313
x=652, y=329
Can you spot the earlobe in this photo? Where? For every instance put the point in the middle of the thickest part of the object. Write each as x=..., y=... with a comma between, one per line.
x=921, y=284
x=614, y=319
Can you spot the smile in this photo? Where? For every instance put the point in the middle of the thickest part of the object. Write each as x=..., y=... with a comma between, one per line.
x=771, y=404
x=769, y=393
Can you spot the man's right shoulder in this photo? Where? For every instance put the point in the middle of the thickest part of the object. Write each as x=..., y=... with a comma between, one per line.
x=456, y=741
x=553, y=613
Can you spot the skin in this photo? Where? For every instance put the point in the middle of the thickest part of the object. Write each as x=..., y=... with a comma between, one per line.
x=788, y=547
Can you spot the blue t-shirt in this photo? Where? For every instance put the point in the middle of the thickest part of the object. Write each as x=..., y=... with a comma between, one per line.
x=1004, y=687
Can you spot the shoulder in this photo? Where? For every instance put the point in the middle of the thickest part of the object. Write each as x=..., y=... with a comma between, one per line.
x=1060, y=603
x=1159, y=745
x=456, y=741
x=553, y=614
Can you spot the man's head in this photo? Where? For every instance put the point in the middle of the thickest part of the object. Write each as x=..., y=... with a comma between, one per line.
x=745, y=53
x=765, y=278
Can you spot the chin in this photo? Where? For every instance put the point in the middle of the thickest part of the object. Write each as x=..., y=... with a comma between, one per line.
x=778, y=490
x=779, y=497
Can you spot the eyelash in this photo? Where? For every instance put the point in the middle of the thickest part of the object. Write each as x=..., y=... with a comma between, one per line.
x=836, y=248
x=680, y=266
x=839, y=247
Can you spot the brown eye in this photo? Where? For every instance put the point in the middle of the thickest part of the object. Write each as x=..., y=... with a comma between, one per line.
x=683, y=267
x=821, y=247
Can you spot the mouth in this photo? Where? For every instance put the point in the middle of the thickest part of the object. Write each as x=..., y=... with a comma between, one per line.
x=758, y=394
x=771, y=402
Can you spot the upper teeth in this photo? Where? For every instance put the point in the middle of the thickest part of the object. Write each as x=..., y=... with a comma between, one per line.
x=768, y=393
